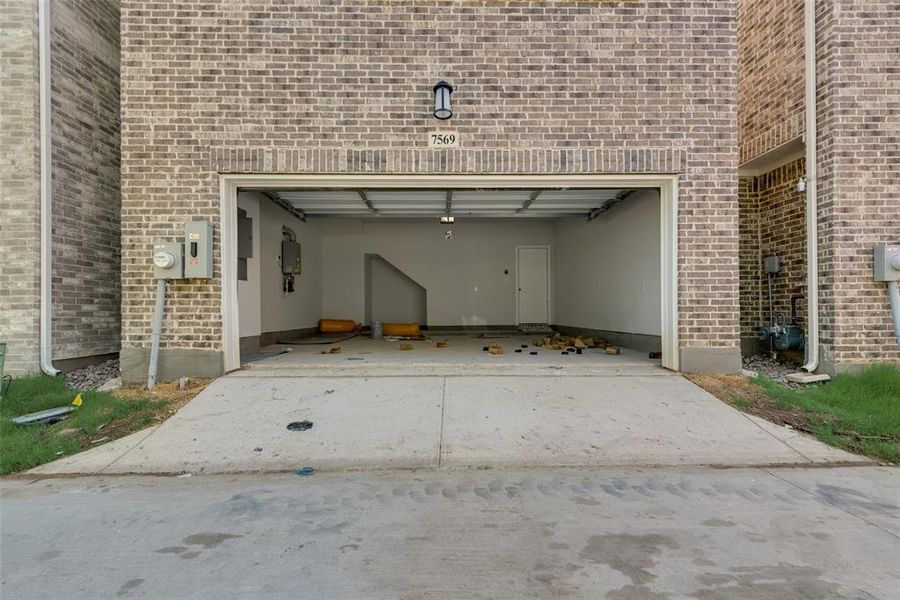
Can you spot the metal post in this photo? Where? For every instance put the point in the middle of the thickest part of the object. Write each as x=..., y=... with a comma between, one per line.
x=894, y=295
x=157, y=331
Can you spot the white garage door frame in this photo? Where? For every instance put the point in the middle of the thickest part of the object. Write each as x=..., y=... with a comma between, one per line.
x=230, y=183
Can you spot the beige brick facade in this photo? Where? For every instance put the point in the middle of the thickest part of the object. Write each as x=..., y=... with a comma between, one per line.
x=858, y=56
x=860, y=187
x=771, y=81
x=772, y=224
x=19, y=169
x=345, y=87
x=86, y=201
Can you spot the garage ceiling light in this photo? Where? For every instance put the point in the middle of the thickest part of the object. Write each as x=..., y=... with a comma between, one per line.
x=442, y=108
x=448, y=219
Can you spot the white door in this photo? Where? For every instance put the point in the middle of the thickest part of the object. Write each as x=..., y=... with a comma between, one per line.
x=532, y=276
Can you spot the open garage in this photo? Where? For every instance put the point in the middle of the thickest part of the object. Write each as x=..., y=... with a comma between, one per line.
x=489, y=274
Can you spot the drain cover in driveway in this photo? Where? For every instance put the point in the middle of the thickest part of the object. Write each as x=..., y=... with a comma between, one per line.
x=300, y=425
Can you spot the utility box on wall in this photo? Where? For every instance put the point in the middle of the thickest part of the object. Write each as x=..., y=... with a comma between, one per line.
x=290, y=258
x=887, y=263
x=198, y=250
x=168, y=262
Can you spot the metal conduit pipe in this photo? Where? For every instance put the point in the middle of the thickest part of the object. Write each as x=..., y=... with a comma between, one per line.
x=46, y=268
x=812, y=220
x=157, y=332
x=894, y=295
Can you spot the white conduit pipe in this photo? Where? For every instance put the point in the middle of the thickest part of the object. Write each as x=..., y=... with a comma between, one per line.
x=812, y=220
x=46, y=283
x=157, y=332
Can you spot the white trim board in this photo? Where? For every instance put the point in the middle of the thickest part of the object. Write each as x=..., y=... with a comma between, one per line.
x=230, y=183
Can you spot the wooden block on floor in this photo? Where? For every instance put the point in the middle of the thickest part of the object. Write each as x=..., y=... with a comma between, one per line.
x=612, y=350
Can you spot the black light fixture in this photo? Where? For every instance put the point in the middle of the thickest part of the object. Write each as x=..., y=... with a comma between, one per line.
x=442, y=109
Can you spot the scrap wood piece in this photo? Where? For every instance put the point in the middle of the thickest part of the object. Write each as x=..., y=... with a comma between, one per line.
x=441, y=344
x=495, y=349
x=406, y=347
x=613, y=350
x=335, y=350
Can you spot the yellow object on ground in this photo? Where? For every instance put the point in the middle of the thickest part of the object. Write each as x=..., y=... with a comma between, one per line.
x=77, y=400
x=401, y=329
x=337, y=326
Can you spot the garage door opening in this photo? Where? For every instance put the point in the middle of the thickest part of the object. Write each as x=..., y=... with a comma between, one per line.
x=475, y=268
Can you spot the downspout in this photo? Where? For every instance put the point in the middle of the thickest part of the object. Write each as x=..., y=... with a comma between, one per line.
x=812, y=220
x=46, y=308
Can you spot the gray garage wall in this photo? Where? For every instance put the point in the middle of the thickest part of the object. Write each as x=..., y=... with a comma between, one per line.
x=249, y=296
x=391, y=295
x=464, y=277
x=608, y=271
x=605, y=274
x=263, y=306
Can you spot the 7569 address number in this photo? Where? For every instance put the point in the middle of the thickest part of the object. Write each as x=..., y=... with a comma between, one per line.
x=443, y=139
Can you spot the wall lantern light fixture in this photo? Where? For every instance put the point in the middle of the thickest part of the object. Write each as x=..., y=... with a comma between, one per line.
x=442, y=108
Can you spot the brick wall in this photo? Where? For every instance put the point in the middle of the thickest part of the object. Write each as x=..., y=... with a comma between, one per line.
x=859, y=150
x=86, y=201
x=86, y=198
x=331, y=86
x=859, y=141
x=19, y=168
x=751, y=301
x=773, y=223
x=771, y=80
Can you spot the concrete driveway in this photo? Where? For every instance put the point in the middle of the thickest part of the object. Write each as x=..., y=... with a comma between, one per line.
x=239, y=424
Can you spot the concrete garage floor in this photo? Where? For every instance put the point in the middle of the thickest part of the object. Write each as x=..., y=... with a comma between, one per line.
x=464, y=355
x=561, y=418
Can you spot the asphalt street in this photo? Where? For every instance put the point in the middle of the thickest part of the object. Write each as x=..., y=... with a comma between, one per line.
x=538, y=533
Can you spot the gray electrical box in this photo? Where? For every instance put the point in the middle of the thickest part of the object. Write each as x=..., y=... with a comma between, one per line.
x=245, y=236
x=887, y=263
x=772, y=264
x=168, y=260
x=198, y=250
x=290, y=258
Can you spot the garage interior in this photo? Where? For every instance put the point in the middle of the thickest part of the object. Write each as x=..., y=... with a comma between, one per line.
x=476, y=269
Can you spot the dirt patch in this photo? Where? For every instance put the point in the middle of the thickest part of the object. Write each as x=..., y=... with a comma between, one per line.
x=170, y=393
x=741, y=393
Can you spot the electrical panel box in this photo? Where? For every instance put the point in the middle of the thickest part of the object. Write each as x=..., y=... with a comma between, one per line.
x=772, y=264
x=887, y=263
x=245, y=237
x=168, y=260
x=290, y=257
x=198, y=250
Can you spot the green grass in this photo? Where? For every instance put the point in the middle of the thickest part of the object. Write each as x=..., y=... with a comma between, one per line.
x=860, y=413
x=24, y=447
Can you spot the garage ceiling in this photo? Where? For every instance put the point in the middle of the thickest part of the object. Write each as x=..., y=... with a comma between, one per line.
x=546, y=203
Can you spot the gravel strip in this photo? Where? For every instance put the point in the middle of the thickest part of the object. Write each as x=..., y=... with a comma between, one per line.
x=90, y=378
x=772, y=369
